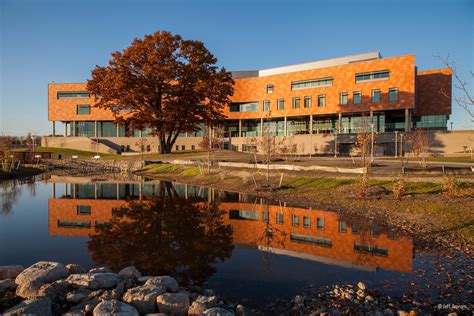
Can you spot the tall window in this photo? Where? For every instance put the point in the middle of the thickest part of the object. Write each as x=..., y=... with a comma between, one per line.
x=321, y=101
x=343, y=97
x=280, y=104
x=296, y=220
x=279, y=218
x=266, y=105
x=307, y=102
x=269, y=88
x=320, y=223
x=342, y=226
x=83, y=109
x=306, y=222
x=296, y=103
x=376, y=95
x=357, y=97
x=392, y=94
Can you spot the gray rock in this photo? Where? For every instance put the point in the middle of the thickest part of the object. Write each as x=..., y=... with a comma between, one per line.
x=94, y=281
x=10, y=272
x=173, y=303
x=114, y=307
x=241, y=310
x=197, y=308
x=143, y=279
x=361, y=286
x=77, y=296
x=100, y=270
x=143, y=297
x=75, y=268
x=208, y=292
x=31, y=279
x=7, y=284
x=36, y=306
x=388, y=312
x=369, y=298
x=217, y=311
x=48, y=290
x=75, y=313
x=166, y=281
x=209, y=301
x=298, y=300
x=130, y=272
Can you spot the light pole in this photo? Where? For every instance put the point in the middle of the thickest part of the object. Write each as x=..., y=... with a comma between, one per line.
x=396, y=144
x=372, y=143
x=451, y=125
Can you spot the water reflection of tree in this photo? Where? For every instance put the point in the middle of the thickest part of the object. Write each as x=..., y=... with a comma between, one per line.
x=10, y=191
x=165, y=235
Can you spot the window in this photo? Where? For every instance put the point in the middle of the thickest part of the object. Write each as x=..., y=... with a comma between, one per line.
x=243, y=215
x=83, y=210
x=307, y=102
x=376, y=95
x=296, y=220
x=269, y=88
x=296, y=103
x=343, y=98
x=320, y=223
x=312, y=83
x=183, y=147
x=392, y=94
x=266, y=105
x=280, y=104
x=128, y=147
x=265, y=217
x=375, y=232
x=177, y=147
x=357, y=97
x=73, y=95
x=342, y=226
x=279, y=218
x=370, y=249
x=83, y=109
x=306, y=221
x=355, y=229
x=74, y=224
x=321, y=101
x=371, y=76
x=106, y=129
x=318, y=241
x=244, y=107
x=193, y=147
x=148, y=147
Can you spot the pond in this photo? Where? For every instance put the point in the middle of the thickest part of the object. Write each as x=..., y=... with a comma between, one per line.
x=247, y=249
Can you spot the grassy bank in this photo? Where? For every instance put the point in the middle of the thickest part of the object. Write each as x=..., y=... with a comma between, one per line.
x=423, y=205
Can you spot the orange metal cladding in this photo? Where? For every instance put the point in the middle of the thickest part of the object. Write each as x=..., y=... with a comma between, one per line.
x=402, y=76
x=253, y=232
x=433, y=92
x=66, y=109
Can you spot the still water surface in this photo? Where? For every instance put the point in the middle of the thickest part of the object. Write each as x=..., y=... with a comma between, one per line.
x=247, y=249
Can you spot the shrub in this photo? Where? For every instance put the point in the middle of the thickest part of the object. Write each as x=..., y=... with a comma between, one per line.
x=399, y=187
x=450, y=186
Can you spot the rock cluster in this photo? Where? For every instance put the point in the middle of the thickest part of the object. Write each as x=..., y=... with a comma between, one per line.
x=50, y=288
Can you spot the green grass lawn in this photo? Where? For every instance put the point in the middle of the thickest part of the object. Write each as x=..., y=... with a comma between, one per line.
x=66, y=152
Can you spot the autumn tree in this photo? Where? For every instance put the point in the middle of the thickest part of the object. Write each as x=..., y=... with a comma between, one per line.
x=164, y=83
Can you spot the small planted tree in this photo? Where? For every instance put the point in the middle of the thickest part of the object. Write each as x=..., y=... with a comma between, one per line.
x=420, y=142
x=211, y=142
x=5, y=152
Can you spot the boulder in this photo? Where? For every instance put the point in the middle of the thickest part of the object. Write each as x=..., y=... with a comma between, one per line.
x=10, y=272
x=144, y=278
x=94, y=281
x=114, y=307
x=166, y=281
x=7, y=284
x=217, y=311
x=130, y=272
x=31, y=279
x=85, y=306
x=361, y=286
x=75, y=268
x=173, y=303
x=77, y=296
x=100, y=270
x=36, y=306
x=197, y=308
x=209, y=301
x=208, y=292
x=143, y=297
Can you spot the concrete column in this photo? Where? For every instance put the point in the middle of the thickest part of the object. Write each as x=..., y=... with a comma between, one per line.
x=95, y=128
x=371, y=117
x=261, y=126
x=54, y=128
x=240, y=128
x=311, y=123
x=73, y=125
x=407, y=120
x=117, y=130
x=285, y=127
x=339, y=123
x=95, y=191
x=117, y=188
x=54, y=190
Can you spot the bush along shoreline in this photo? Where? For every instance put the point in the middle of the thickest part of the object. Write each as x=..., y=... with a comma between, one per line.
x=51, y=288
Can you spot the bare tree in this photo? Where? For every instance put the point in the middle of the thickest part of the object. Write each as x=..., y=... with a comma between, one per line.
x=141, y=143
x=420, y=142
x=5, y=152
x=211, y=142
x=465, y=100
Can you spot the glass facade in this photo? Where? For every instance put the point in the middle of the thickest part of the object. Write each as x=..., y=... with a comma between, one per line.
x=431, y=121
x=106, y=129
x=244, y=107
x=83, y=129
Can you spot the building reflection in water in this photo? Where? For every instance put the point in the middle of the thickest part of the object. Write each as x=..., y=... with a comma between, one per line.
x=180, y=222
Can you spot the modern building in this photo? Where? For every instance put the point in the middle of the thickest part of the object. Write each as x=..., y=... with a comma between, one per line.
x=308, y=103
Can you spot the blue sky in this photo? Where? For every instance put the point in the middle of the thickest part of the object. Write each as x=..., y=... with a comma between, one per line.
x=61, y=41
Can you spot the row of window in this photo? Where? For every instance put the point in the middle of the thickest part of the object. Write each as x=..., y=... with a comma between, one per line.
x=328, y=81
